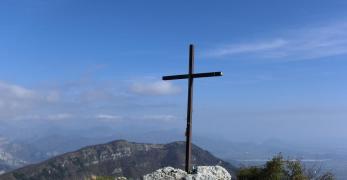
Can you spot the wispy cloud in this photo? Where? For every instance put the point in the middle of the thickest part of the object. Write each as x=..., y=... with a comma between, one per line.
x=15, y=99
x=98, y=103
x=60, y=116
x=154, y=88
x=160, y=118
x=109, y=117
x=248, y=48
x=15, y=91
x=302, y=44
x=49, y=117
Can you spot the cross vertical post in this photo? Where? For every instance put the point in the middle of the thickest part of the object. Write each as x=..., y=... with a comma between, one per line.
x=190, y=76
x=189, y=110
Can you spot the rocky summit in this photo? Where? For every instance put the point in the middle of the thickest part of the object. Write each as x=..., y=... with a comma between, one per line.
x=202, y=173
x=115, y=159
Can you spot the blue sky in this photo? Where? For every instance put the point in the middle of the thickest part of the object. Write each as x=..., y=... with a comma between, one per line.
x=101, y=62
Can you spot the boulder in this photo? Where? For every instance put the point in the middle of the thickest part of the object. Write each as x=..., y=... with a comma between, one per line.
x=202, y=173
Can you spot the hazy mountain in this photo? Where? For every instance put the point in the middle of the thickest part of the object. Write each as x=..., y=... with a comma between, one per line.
x=12, y=155
x=117, y=158
x=33, y=150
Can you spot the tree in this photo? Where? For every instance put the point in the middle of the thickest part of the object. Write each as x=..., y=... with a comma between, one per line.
x=280, y=169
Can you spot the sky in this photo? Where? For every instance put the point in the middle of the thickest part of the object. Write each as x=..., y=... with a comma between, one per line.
x=78, y=64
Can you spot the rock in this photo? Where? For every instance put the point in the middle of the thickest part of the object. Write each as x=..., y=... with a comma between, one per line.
x=120, y=178
x=203, y=173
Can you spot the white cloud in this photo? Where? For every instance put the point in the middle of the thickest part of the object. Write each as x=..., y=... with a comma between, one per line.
x=51, y=117
x=83, y=102
x=15, y=99
x=307, y=43
x=14, y=91
x=108, y=117
x=20, y=103
x=53, y=96
x=154, y=88
x=27, y=117
x=161, y=118
x=60, y=116
x=248, y=48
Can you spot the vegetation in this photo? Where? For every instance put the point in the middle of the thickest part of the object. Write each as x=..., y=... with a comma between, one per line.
x=102, y=178
x=280, y=169
x=107, y=178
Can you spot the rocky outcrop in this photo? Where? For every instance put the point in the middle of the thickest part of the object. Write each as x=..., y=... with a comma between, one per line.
x=203, y=173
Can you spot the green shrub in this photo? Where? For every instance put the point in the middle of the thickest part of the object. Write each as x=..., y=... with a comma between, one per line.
x=280, y=169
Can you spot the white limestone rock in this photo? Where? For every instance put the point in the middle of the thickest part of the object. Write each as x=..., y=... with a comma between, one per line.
x=120, y=178
x=203, y=173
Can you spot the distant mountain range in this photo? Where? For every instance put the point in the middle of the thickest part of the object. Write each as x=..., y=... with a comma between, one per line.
x=15, y=153
x=18, y=153
x=117, y=158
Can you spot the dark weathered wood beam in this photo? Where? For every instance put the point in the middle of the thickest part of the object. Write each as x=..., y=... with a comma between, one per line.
x=197, y=75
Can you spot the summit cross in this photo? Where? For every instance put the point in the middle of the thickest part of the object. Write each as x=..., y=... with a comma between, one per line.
x=190, y=76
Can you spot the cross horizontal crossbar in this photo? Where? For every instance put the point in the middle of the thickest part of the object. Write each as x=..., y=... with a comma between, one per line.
x=197, y=75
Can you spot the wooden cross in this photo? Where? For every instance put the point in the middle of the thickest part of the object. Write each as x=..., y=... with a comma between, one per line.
x=190, y=76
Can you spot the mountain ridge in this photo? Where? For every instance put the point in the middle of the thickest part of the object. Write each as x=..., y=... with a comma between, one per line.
x=115, y=158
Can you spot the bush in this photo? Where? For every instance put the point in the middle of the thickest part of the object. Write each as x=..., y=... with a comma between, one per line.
x=280, y=169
